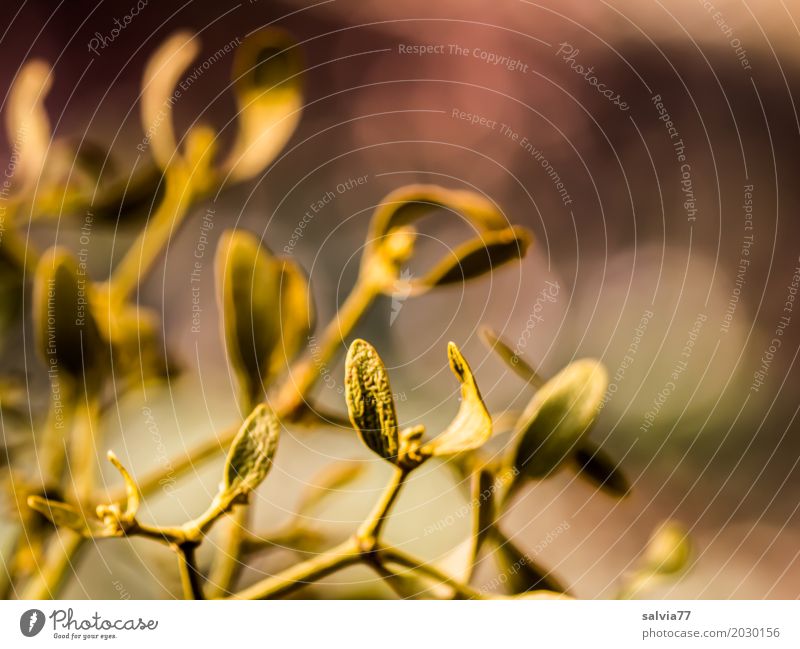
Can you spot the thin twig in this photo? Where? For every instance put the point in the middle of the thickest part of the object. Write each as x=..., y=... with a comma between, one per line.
x=190, y=575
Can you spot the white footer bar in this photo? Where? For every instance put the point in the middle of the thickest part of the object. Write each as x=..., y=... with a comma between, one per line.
x=401, y=624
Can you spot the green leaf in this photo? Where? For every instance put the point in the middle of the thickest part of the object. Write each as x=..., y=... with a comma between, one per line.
x=510, y=357
x=595, y=465
x=410, y=203
x=472, y=425
x=477, y=257
x=369, y=400
x=61, y=514
x=556, y=421
x=391, y=237
x=522, y=573
x=248, y=292
x=166, y=67
x=267, y=79
x=251, y=453
x=668, y=551
x=296, y=316
x=66, y=333
x=267, y=312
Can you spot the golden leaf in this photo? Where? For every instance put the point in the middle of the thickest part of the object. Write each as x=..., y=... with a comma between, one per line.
x=267, y=81
x=472, y=425
x=251, y=453
x=369, y=400
x=557, y=419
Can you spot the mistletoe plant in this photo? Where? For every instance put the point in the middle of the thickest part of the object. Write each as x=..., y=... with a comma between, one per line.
x=97, y=345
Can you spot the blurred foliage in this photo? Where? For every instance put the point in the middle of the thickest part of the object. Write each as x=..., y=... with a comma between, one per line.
x=96, y=344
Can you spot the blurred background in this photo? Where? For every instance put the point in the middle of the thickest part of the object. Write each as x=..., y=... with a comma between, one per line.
x=649, y=146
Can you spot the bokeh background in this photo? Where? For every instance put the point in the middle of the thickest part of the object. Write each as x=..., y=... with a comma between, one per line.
x=720, y=456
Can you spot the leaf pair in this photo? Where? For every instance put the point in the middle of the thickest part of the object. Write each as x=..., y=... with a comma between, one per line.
x=553, y=429
x=266, y=311
x=391, y=237
x=78, y=331
x=266, y=78
x=371, y=408
x=248, y=462
x=110, y=521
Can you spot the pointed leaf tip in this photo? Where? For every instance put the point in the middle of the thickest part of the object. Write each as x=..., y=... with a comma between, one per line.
x=477, y=257
x=472, y=425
